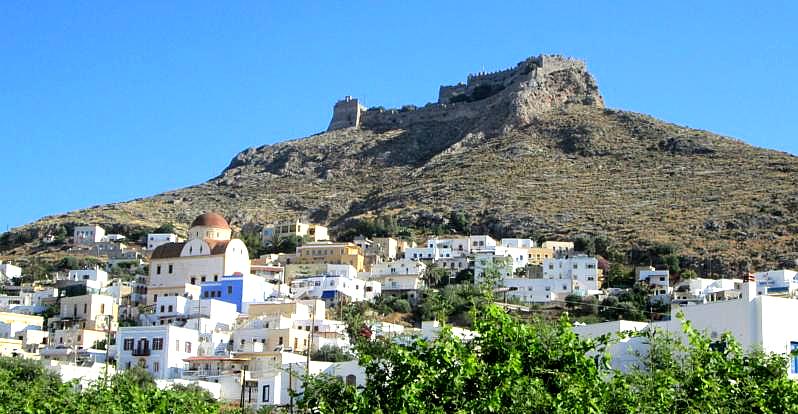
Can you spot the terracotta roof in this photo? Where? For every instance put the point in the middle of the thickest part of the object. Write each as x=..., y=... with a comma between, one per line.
x=217, y=246
x=167, y=250
x=211, y=220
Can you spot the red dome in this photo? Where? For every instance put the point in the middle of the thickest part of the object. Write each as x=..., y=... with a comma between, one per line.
x=211, y=220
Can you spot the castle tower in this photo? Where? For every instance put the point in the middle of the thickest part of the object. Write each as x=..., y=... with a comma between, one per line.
x=346, y=114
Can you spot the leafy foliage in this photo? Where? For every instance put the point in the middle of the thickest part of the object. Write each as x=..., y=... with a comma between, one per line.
x=132, y=391
x=519, y=367
x=331, y=353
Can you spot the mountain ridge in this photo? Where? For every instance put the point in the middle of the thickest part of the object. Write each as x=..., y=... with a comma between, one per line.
x=530, y=151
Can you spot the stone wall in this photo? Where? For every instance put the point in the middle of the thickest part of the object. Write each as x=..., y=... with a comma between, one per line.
x=531, y=87
x=346, y=114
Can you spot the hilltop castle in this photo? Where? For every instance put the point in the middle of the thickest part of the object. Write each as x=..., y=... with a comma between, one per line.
x=534, y=85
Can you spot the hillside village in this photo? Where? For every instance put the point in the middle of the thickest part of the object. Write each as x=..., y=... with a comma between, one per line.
x=248, y=319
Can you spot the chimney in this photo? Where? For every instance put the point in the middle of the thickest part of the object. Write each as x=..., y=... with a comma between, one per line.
x=749, y=287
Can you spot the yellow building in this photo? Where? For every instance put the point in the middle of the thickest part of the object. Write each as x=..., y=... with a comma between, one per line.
x=331, y=253
x=538, y=254
x=287, y=228
x=305, y=309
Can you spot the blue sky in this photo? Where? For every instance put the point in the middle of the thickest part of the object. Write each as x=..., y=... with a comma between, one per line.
x=109, y=101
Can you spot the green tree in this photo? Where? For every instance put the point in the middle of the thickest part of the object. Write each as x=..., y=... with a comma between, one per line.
x=519, y=367
x=166, y=228
x=331, y=353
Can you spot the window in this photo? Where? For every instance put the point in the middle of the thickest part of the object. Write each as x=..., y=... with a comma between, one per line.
x=188, y=347
x=280, y=340
x=102, y=308
x=163, y=308
x=171, y=268
x=158, y=270
x=85, y=307
x=229, y=290
x=170, y=308
x=156, y=366
x=266, y=392
x=127, y=344
x=203, y=279
x=794, y=358
x=177, y=345
x=206, y=294
x=351, y=380
x=157, y=344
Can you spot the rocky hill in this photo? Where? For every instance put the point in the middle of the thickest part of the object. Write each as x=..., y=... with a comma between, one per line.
x=528, y=151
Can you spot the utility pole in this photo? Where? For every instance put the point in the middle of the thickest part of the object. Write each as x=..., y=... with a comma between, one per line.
x=109, y=319
x=310, y=334
x=243, y=381
x=291, y=388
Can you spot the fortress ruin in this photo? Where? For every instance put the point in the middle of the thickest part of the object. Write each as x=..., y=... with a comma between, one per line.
x=532, y=86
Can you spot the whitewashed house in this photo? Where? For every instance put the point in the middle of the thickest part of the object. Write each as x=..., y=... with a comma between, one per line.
x=87, y=235
x=777, y=282
x=757, y=322
x=161, y=350
x=157, y=239
x=658, y=281
x=9, y=271
x=518, y=243
x=334, y=288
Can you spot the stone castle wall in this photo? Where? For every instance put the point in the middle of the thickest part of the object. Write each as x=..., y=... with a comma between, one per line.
x=524, y=79
x=346, y=114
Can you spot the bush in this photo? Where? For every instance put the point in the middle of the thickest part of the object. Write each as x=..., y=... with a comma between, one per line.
x=518, y=367
x=331, y=353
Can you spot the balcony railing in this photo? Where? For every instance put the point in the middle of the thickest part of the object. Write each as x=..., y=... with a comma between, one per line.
x=211, y=372
x=141, y=351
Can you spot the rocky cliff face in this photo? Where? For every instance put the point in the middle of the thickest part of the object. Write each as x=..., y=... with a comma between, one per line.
x=537, y=155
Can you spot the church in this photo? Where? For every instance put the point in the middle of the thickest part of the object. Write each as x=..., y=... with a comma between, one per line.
x=178, y=269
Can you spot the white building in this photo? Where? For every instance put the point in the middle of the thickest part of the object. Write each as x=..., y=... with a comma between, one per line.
x=519, y=243
x=658, y=281
x=157, y=239
x=178, y=269
x=333, y=288
x=87, y=235
x=95, y=278
x=700, y=290
x=178, y=309
x=161, y=350
x=581, y=270
x=13, y=325
x=9, y=271
x=402, y=278
x=399, y=267
x=561, y=277
x=536, y=290
x=297, y=228
x=481, y=243
x=113, y=238
x=757, y=322
x=777, y=282
x=505, y=260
